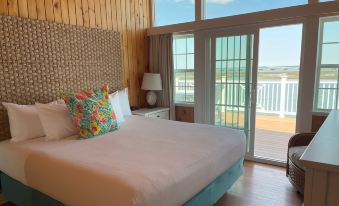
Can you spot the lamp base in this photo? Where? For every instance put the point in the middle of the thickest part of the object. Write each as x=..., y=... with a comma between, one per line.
x=151, y=98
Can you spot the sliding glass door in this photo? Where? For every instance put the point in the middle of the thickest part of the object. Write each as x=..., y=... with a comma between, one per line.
x=277, y=90
x=232, y=69
x=260, y=100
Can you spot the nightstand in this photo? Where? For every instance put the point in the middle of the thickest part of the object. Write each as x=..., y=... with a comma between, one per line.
x=158, y=112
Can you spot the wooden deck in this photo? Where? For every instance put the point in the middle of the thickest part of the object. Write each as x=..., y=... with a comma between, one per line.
x=272, y=135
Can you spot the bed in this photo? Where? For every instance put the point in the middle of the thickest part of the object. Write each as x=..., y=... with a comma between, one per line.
x=145, y=162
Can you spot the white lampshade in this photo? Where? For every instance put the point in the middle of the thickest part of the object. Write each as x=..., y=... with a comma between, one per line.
x=151, y=81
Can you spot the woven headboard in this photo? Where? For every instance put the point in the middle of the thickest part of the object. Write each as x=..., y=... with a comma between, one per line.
x=41, y=60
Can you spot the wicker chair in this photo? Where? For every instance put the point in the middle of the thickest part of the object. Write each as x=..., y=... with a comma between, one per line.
x=294, y=171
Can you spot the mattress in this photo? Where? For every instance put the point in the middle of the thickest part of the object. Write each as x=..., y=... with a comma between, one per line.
x=146, y=162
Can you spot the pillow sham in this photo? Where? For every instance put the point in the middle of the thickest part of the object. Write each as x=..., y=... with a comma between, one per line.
x=91, y=112
x=56, y=121
x=24, y=121
x=124, y=102
x=114, y=99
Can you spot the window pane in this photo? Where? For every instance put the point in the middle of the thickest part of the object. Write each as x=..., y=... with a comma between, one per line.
x=243, y=47
x=190, y=86
x=190, y=45
x=328, y=83
x=230, y=48
x=180, y=61
x=326, y=99
x=218, y=48
x=179, y=94
x=173, y=11
x=183, y=60
x=221, y=8
x=331, y=32
x=327, y=79
x=330, y=54
x=218, y=95
x=190, y=61
x=180, y=46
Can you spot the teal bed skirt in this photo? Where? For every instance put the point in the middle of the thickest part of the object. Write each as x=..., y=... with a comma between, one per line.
x=23, y=195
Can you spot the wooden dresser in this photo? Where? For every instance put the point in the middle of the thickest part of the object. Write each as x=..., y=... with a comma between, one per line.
x=321, y=161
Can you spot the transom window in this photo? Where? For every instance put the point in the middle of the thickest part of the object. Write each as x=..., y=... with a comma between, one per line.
x=326, y=95
x=168, y=12
x=183, y=61
x=222, y=8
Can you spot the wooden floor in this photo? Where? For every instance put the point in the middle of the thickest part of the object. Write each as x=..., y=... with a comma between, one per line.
x=261, y=185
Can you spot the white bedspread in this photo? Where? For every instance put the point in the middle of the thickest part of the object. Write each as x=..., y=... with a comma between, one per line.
x=147, y=162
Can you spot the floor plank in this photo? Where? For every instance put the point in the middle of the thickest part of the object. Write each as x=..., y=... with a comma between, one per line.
x=261, y=185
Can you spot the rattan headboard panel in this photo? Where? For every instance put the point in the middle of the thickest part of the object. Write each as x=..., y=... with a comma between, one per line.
x=41, y=60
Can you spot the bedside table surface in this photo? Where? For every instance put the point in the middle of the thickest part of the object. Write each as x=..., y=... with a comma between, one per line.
x=150, y=110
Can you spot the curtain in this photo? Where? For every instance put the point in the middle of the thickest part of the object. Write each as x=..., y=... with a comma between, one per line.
x=161, y=61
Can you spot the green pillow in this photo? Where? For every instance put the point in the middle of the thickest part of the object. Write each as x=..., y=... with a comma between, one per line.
x=91, y=112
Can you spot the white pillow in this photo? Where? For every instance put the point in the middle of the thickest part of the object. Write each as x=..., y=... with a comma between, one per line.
x=24, y=122
x=56, y=121
x=115, y=102
x=124, y=102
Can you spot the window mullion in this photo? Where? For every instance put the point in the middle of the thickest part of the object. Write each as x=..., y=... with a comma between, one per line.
x=199, y=10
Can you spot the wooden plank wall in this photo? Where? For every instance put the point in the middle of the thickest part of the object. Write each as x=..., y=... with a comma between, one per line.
x=184, y=114
x=130, y=17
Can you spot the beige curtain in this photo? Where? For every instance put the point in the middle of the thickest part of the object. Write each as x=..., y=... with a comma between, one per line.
x=161, y=62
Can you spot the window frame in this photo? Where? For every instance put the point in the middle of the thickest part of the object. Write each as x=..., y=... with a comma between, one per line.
x=200, y=11
x=183, y=36
x=320, y=66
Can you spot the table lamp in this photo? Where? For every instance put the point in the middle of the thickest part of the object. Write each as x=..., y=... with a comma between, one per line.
x=151, y=82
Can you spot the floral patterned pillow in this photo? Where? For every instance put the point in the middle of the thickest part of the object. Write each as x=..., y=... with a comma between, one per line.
x=91, y=112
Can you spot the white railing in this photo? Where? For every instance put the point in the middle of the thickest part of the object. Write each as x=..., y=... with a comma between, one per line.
x=277, y=97
x=273, y=96
x=326, y=94
x=183, y=87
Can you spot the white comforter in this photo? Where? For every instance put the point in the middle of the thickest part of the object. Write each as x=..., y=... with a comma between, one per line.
x=147, y=162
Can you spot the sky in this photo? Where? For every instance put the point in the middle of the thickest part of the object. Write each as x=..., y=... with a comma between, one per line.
x=280, y=46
